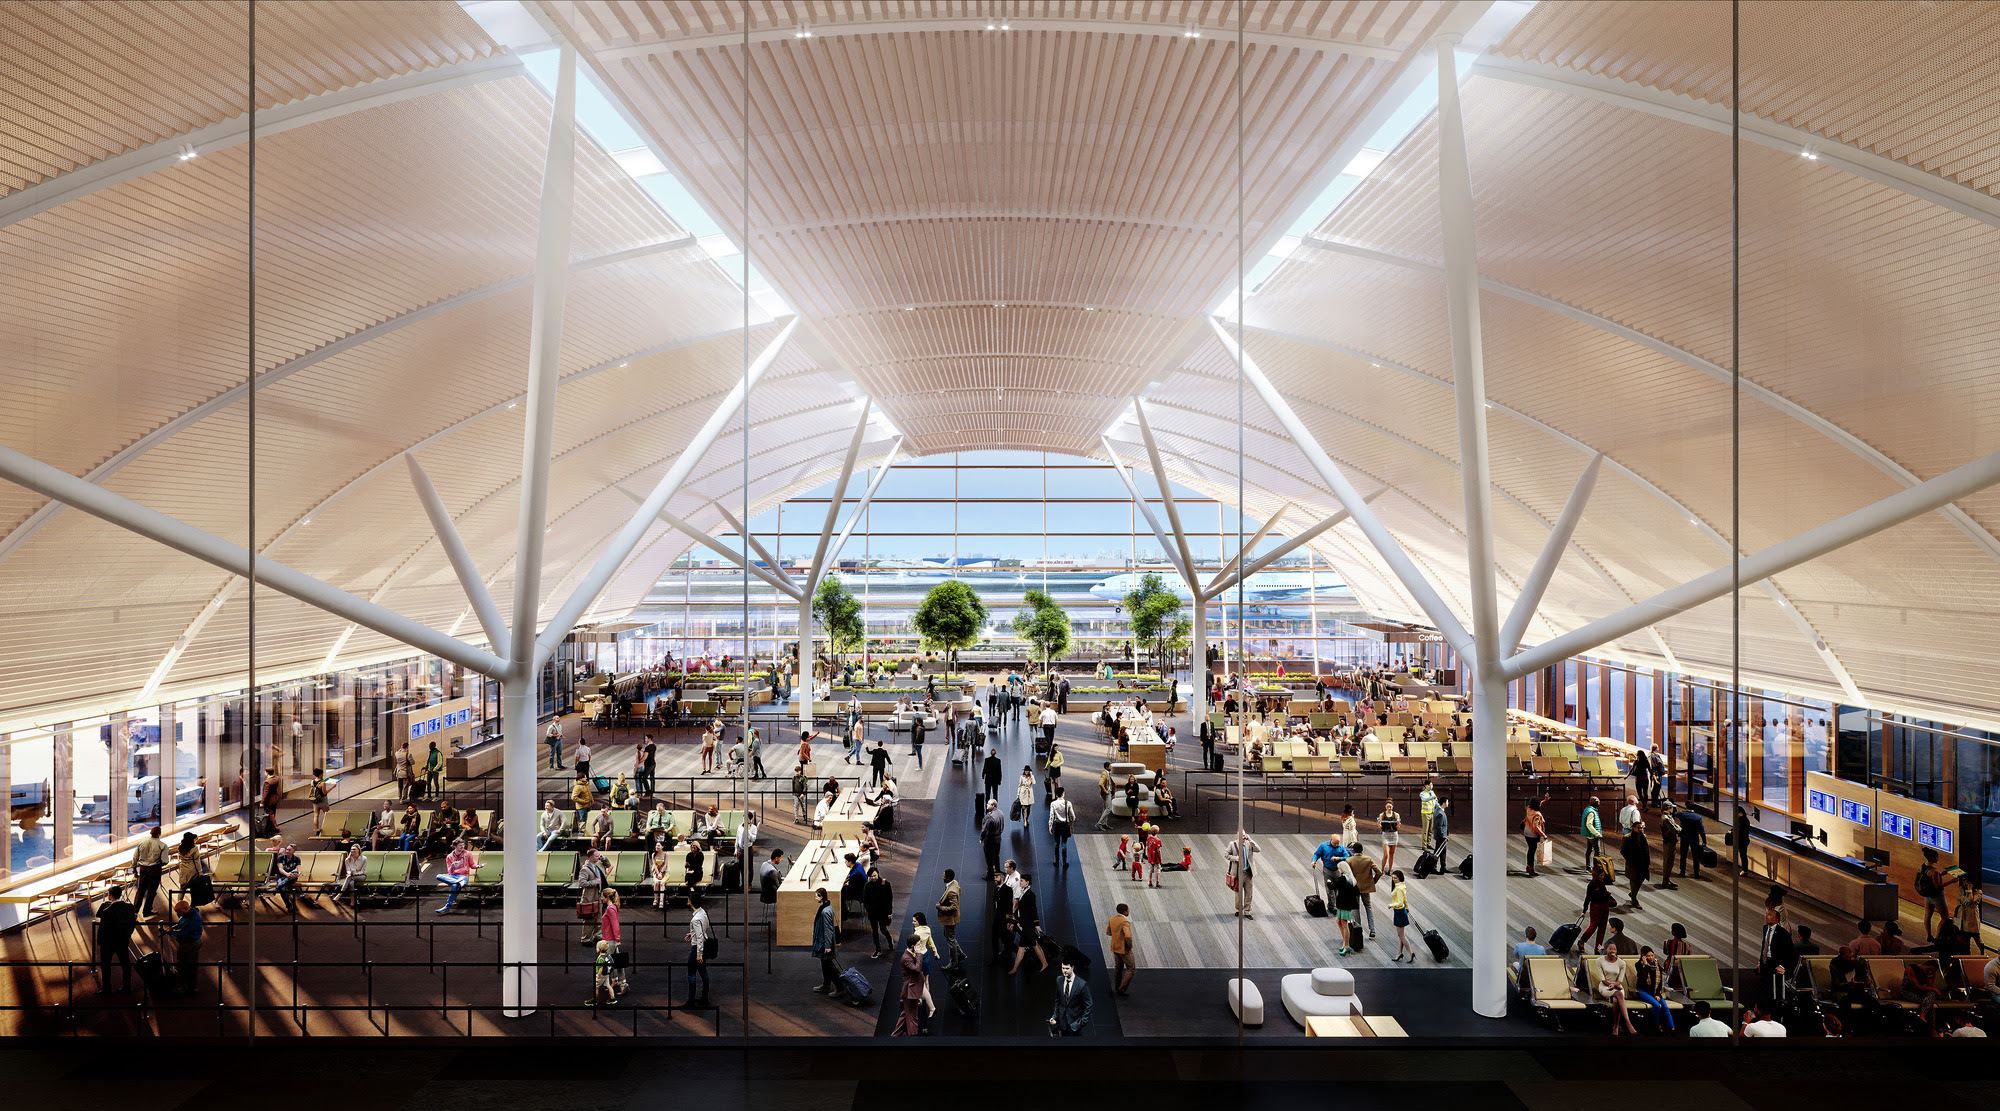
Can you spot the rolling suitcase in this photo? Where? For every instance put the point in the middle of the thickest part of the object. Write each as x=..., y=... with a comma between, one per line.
x=1354, y=932
x=1708, y=857
x=1427, y=862
x=732, y=875
x=1465, y=867
x=964, y=996
x=1440, y=952
x=152, y=970
x=1316, y=906
x=1564, y=939
x=855, y=986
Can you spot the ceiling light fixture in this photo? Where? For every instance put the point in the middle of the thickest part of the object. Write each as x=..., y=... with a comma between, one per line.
x=511, y=404
x=1809, y=155
x=909, y=308
x=189, y=154
x=1090, y=308
x=1191, y=32
x=622, y=366
x=991, y=27
x=305, y=522
x=804, y=31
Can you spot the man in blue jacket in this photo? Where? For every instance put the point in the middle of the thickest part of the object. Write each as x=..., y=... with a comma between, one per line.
x=826, y=936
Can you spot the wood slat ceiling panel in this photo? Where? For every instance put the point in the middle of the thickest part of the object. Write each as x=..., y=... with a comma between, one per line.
x=82, y=82
x=1911, y=82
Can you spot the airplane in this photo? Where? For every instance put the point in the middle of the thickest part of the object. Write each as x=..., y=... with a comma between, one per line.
x=1264, y=586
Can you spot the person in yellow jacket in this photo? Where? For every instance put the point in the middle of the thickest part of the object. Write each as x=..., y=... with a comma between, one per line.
x=1399, y=909
x=1427, y=804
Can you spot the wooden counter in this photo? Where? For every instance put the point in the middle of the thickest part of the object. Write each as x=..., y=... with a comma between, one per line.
x=822, y=863
x=1826, y=881
x=848, y=815
x=1153, y=754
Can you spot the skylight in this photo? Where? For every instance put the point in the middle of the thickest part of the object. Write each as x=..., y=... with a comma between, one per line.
x=513, y=26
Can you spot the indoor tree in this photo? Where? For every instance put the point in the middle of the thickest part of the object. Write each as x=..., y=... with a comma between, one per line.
x=1153, y=611
x=839, y=612
x=950, y=617
x=1042, y=623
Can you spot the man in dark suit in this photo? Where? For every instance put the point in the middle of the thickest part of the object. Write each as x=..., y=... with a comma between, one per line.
x=116, y=919
x=1062, y=696
x=1071, y=1016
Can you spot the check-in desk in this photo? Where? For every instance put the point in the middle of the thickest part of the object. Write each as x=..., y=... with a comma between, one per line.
x=1840, y=882
x=821, y=863
x=847, y=816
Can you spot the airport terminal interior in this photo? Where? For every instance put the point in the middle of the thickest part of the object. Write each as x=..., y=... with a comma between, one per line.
x=1162, y=529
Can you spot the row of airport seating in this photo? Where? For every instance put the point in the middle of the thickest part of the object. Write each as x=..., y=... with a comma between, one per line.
x=626, y=824
x=394, y=874
x=1550, y=985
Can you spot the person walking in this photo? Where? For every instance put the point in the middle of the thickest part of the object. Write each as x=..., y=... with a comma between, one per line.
x=878, y=764
x=697, y=938
x=434, y=771
x=1366, y=877
x=1346, y=902
x=1592, y=828
x=756, y=754
x=649, y=755
x=917, y=737
x=1071, y=1016
x=1399, y=915
x=1534, y=827
x=116, y=919
x=1597, y=903
x=1670, y=835
x=990, y=830
x=1119, y=930
x=1027, y=926
x=1062, y=821
x=1391, y=837
x=1062, y=695
x=911, y=964
x=1638, y=854
x=149, y=863
x=947, y=916
x=1694, y=838
x=590, y=894
x=991, y=772
x=406, y=779
x=878, y=902
x=555, y=739
x=1024, y=794
x=825, y=942
x=316, y=797
x=1242, y=869
x=1104, y=796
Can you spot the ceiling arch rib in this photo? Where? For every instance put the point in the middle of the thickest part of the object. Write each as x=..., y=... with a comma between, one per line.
x=232, y=583
x=171, y=428
x=1863, y=449
x=410, y=561
x=1770, y=585
x=88, y=179
x=1896, y=174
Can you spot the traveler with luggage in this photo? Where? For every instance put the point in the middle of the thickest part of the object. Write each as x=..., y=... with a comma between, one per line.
x=1399, y=911
x=116, y=919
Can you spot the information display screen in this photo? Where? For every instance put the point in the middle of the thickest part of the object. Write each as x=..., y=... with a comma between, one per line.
x=1934, y=837
x=1821, y=801
x=1896, y=825
x=1855, y=812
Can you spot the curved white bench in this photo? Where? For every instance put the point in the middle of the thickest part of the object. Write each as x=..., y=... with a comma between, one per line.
x=1323, y=991
x=1246, y=1002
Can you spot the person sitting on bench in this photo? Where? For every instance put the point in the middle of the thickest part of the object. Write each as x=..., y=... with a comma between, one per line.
x=551, y=826
x=284, y=880
x=660, y=824
x=442, y=829
x=600, y=830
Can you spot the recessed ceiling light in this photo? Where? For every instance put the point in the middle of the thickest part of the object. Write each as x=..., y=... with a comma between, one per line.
x=511, y=404
x=804, y=31
x=1090, y=308
x=1377, y=366
x=909, y=308
x=991, y=27
x=626, y=364
x=1809, y=155
x=189, y=154
x=1191, y=32
x=307, y=521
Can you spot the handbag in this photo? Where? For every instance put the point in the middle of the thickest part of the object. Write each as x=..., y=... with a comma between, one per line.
x=587, y=910
x=1060, y=828
x=1545, y=852
x=1229, y=877
x=710, y=946
x=620, y=958
x=1014, y=814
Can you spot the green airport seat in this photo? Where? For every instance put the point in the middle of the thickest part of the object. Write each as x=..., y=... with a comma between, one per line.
x=621, y=824
x=357, y=822
x=490, y=871
x=554, y=869
x=1702, y=983
x=626, y=869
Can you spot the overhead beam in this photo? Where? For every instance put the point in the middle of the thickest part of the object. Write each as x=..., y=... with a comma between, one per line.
x=669, y=484
x=783, y=586
x=1228, y=579
x=172, y=151
x=1806, y=546
x=1166, y=493
x=461, y=560
x=839, y=497
x=53, y=482
x=1392, y=553
x=1264, y=530
x=750, y=539
x=839, y=542
x=1537, y=582
x=1875, y=457
x=1900, y=176
x=1138, y=499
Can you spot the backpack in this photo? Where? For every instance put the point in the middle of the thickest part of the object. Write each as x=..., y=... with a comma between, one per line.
x=1927, y=884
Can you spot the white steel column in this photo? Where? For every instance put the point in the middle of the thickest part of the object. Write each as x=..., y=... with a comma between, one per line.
x=1198, y=674
x=1166, y=494
x=1249, y=545
x=1392, y=553
x=818, y=566
x=520, y=701
x=1489, y=707
x=461, y=559
x=1545, y=565
x=839, y=542
x=1225, y=581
